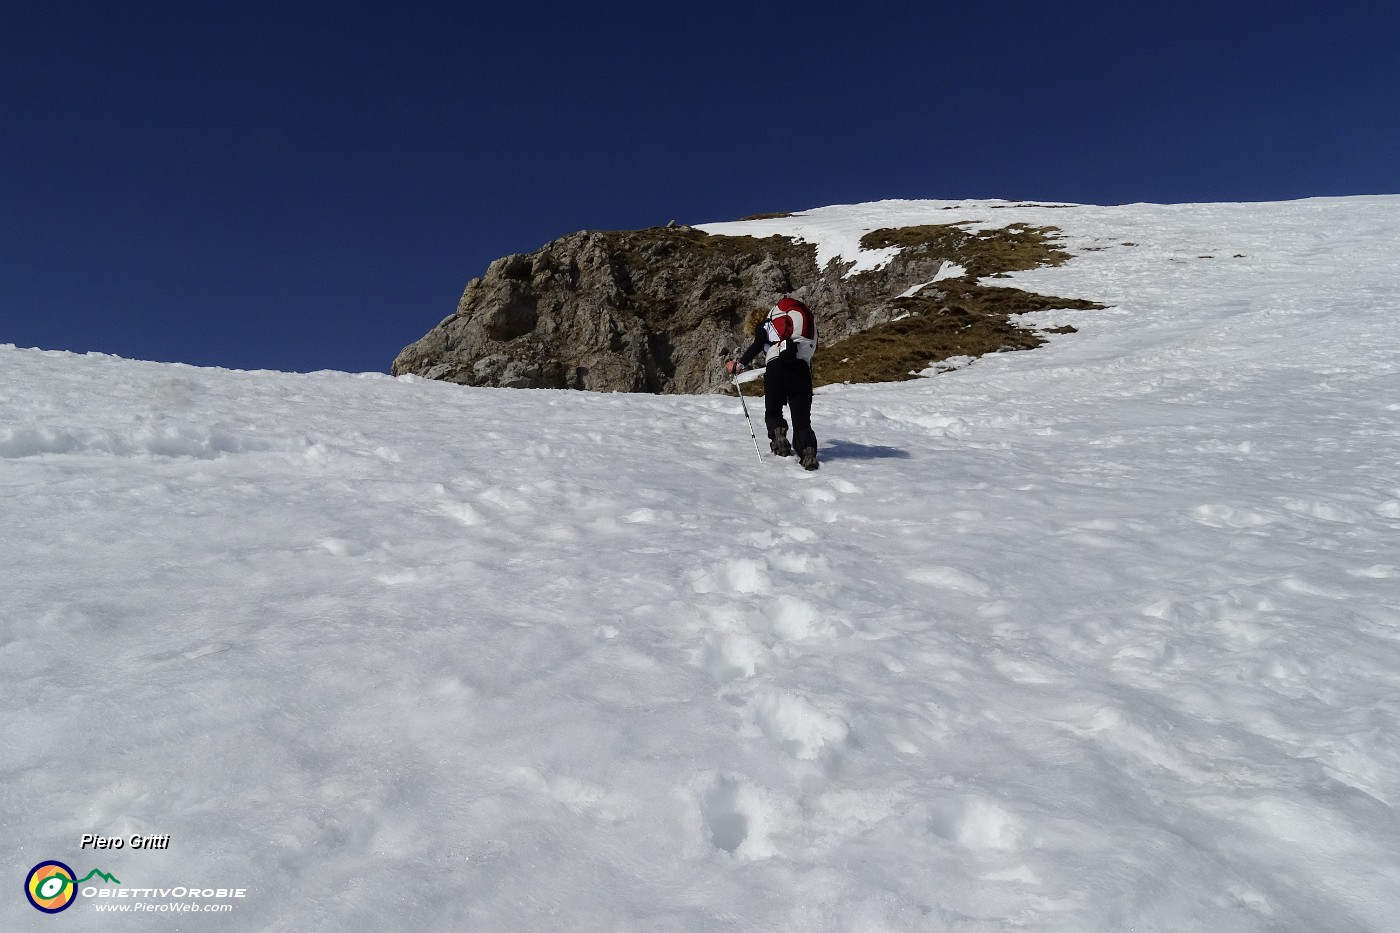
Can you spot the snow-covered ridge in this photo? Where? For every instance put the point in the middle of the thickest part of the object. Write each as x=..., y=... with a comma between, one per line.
x=1099, y=637
x=836, y=230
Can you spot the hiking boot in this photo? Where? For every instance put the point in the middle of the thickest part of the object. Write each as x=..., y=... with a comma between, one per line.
x=809, y=458
x=779, y=443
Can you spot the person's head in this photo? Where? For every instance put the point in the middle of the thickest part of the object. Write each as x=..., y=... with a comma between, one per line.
x=756, y=317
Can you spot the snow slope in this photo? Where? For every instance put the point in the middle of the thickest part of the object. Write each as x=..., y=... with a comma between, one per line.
x=1103, y=636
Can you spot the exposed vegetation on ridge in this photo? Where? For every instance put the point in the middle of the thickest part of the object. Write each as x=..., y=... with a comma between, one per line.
x=957, y=316
x=1013, y=248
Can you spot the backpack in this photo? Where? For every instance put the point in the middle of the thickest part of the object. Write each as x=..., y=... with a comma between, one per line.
x=791, y=329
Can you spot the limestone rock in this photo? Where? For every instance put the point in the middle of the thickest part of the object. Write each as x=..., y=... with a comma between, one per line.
x=655, y=310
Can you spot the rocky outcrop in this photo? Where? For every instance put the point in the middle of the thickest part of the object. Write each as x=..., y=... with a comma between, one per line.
x=658, y=310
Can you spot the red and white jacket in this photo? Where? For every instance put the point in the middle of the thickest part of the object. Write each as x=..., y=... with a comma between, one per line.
x=791, y=326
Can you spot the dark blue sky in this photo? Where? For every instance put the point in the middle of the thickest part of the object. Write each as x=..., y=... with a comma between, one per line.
x=309, y=185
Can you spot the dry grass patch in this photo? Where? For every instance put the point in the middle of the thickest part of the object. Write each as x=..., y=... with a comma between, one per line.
x=1013, y=248
x=959, y=318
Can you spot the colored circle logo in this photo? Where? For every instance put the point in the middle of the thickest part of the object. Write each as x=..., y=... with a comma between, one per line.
x=51, y=887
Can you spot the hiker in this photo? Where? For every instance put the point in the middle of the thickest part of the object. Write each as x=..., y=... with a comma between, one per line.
x=787, y=337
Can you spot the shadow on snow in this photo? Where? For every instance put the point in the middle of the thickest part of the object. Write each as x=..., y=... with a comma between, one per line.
x=849, y=450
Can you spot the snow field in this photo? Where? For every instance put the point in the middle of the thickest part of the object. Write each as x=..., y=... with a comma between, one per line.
x=1100, y=636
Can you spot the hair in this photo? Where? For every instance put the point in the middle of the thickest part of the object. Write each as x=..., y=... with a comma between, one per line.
x=755, y=319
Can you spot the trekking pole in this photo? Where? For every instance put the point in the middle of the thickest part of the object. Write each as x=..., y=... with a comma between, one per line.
x=739, y=387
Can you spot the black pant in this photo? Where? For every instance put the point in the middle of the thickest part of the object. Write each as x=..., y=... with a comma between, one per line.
x=789, y=382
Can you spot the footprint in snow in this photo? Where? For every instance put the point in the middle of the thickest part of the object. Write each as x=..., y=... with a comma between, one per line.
x=796, y=561
x=796, y=726
x=736, y=817
x=728, y=657
x=793, y=619
x=738, y=575
x=975, y=823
